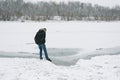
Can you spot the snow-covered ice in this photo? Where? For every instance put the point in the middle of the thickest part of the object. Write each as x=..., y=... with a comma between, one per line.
x=19, y=37
x=91, y=51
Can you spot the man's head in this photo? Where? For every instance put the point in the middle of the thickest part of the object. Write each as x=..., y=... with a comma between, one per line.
x=44, y=29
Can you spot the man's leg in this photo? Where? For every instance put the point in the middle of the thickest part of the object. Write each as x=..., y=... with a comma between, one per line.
x=45, y=51
x=40, y=53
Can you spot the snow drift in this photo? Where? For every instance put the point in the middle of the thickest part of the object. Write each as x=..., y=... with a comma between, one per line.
x=97, y=68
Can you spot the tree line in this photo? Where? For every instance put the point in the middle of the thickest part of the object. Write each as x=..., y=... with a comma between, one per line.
x=13, y=10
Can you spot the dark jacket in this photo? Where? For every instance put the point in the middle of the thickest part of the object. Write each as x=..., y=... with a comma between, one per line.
x=40, y=37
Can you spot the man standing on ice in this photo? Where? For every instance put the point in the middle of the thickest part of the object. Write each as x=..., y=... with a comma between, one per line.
x=40, y=41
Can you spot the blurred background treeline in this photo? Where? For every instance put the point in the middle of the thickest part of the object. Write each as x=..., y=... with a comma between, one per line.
x=18, y=10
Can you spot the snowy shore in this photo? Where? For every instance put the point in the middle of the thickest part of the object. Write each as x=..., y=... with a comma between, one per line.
x=98, y=68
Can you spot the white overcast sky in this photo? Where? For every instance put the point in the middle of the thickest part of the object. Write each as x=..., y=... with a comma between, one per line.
x=110, y=3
